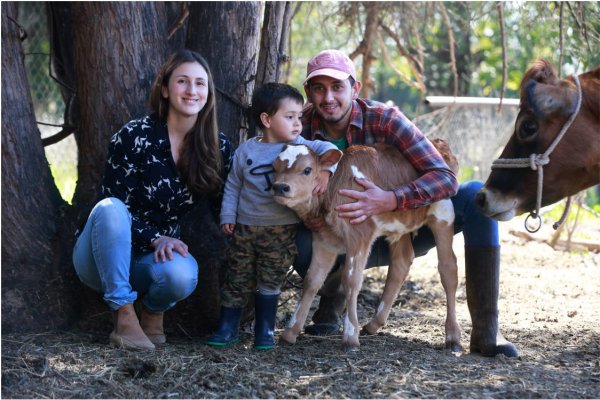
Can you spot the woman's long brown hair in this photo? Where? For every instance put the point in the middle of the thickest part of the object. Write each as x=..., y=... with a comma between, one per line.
x=200, y=161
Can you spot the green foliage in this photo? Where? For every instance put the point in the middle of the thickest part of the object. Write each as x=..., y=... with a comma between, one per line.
x=65, y=178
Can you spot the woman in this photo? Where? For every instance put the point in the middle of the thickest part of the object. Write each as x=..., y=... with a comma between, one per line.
x=157, y=169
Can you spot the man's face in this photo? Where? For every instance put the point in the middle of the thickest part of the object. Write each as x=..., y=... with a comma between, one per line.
x=332, y=98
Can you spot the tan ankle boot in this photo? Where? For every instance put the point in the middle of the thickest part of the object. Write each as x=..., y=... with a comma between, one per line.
x=127, y=333
x=152, y=325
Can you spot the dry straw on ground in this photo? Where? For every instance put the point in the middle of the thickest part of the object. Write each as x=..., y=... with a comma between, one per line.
x=550, y=308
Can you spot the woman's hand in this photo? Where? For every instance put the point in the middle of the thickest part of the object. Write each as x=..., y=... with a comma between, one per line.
x=227, y=229
x=164, y=247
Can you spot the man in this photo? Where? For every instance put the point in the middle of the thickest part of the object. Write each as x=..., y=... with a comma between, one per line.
x=337, y=114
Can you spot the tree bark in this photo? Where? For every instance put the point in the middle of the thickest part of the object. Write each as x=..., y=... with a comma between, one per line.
x=32, y=281
x=118, y=49
x=273, y=45
x=226, y=34
x=273, y=41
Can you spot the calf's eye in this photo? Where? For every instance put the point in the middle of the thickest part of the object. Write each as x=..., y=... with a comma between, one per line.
x=307, y=171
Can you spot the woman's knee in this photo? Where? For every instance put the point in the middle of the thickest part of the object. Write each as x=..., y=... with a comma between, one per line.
x=111, y=215
x=180, y=276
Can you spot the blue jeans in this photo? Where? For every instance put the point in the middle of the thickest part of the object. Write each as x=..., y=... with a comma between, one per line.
x=478, y=231
x=103, y=261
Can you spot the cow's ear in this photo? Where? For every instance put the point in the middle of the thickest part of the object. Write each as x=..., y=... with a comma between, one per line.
x=330, y=157
x=547, y=99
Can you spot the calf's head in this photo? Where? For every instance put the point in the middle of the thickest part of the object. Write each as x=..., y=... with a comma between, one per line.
x=296, y=169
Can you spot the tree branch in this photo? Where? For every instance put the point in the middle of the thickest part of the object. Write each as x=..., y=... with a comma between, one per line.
x=419, y=85
x=500, y=7
x=451, y=44
x=185, y=13
x=57, y=137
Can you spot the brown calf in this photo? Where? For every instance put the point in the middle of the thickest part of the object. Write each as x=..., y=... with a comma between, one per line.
x=295, y=171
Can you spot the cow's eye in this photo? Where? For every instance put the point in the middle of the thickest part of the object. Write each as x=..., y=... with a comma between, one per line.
x=307, y=171
x=528, y=130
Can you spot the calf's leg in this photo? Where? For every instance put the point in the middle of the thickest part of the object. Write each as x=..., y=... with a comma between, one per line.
x=401, y=257
x=352, y=276
x=321, y=263
x=448, y=269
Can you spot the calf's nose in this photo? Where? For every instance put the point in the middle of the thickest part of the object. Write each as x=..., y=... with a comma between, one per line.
x=280, y=189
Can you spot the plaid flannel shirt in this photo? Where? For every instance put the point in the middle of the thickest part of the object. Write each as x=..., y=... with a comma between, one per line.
x=373, y=122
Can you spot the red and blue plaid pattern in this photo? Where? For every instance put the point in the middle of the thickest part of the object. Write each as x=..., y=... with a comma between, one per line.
x=373, y=122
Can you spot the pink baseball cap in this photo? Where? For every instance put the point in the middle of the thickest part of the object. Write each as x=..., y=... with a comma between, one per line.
x=332, y=63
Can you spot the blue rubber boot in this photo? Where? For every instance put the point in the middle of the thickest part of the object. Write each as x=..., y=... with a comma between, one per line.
x=229, y=325
x=264, y=325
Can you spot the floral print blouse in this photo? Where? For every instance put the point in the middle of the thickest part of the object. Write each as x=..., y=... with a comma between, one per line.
x=141, y=172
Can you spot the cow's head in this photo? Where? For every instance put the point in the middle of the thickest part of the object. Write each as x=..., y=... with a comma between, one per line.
x=546, y=104
x=296, y=169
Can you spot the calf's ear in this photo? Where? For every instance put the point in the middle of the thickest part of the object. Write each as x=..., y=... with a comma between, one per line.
x=330, y=157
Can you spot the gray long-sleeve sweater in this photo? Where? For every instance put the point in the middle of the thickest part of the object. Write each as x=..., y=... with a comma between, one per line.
x=248, y=197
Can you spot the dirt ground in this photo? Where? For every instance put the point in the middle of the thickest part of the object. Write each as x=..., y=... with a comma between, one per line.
x=549, y=307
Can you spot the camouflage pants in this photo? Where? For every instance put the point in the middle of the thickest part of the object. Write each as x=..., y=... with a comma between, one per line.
x=258, y=256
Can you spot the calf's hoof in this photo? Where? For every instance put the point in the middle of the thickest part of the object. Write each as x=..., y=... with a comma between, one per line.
x=367, y=330
x=350, y=348
x=288, y=337
x=322, y=329
x=453, y=346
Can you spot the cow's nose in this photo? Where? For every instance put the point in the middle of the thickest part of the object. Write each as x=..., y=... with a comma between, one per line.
x=480, y=199
x=281, y=189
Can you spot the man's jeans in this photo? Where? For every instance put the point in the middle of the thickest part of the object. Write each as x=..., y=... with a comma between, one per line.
x=478, y=231
x=103, y=261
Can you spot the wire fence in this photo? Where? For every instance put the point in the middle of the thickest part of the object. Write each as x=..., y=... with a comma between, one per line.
x=48, y=103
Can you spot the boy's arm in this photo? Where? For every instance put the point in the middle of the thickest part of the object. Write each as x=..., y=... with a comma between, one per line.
x=231, y=194
x=320, y=147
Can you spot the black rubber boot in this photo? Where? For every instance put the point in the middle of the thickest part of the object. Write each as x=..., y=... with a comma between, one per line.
x=264, y=325
x=327, y=319
x=482, y=270
x=229, y=325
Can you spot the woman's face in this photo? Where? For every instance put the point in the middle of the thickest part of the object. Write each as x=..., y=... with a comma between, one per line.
x=187, y=90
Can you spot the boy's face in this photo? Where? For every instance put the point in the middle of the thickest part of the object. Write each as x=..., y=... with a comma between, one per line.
x=284, y=125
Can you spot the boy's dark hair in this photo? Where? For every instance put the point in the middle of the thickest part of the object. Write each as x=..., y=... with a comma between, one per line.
x=267, y=98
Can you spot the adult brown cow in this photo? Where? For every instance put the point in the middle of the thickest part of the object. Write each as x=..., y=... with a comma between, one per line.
x=295, y=171
x=556, y=142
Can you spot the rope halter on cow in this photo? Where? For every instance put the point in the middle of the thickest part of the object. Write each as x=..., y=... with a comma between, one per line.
x=537, y=162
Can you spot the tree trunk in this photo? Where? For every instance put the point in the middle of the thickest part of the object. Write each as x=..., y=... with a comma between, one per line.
x=118, y=49
x=273, y=45
x=226, y=34
x=32, y=282
x=371, y=23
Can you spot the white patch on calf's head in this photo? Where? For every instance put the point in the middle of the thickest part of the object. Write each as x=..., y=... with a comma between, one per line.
x=291, y=153
x=356, y=172
x=443, y=210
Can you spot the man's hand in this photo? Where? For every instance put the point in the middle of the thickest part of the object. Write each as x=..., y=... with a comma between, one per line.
x=372, y=201
x=227, y=229
x=164, y=247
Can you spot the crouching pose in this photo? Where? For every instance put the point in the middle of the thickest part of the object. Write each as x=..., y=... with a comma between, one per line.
x=157, y=169
x=339, y=115
x=263, y=244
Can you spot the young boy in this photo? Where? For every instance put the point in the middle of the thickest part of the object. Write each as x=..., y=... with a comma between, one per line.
x=262, y=248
